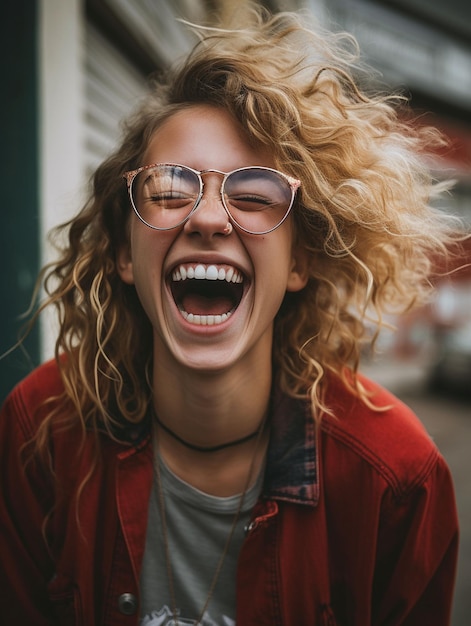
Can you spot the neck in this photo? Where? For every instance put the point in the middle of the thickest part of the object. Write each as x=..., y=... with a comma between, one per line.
x=211, y=409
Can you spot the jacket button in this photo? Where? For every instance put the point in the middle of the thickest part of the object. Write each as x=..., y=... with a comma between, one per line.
x=127, y=603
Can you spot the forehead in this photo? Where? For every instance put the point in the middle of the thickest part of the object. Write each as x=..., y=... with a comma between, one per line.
x=205, y=137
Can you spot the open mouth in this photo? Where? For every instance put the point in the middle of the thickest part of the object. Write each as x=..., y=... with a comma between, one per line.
x=206, y=295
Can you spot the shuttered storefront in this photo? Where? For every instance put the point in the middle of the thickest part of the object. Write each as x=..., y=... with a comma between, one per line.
x=113, y=86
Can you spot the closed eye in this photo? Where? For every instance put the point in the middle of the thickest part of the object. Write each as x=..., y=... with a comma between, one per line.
x=250, y=202
x=171, y=200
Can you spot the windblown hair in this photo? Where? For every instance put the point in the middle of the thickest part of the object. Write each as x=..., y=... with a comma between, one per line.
x=362, y=212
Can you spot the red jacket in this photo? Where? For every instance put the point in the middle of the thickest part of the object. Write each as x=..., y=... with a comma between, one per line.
x=356, y=525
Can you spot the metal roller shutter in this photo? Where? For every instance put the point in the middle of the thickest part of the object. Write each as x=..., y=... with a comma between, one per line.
x=113, y=86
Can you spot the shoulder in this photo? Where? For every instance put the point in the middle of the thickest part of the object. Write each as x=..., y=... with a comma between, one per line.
x=26, y=402
x=391, y=440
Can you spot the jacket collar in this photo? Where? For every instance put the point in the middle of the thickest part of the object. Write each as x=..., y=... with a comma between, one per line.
x=291, y=471
x=125, y=432
x=292, y=467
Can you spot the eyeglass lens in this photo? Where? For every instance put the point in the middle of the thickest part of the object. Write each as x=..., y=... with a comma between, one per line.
x=257, y=199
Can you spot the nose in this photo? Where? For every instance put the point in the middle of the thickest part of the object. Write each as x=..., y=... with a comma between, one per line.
x=210, y=217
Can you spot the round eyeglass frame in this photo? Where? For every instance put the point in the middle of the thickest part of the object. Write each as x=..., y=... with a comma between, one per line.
x=293, y=184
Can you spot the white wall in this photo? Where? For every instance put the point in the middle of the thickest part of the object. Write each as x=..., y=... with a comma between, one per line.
x=61, y=103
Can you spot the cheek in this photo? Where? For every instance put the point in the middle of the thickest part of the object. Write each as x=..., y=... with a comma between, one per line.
x=147, y=245
x=147, y=251
x=272, y=266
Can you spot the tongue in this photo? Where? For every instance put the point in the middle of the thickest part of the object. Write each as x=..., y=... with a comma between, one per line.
x=201, y=305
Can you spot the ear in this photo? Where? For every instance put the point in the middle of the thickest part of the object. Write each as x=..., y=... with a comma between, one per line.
x=124, y=264
x=299, y=271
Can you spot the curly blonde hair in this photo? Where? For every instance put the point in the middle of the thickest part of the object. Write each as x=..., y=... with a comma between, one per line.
x=362, y=212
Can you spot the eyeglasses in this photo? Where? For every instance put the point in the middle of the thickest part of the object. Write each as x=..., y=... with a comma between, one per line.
x=256, y=199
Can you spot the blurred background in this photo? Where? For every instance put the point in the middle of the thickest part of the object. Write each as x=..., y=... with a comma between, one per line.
x=72, y=69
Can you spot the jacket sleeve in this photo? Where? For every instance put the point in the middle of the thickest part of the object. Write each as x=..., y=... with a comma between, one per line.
x=25, y=501
x=417, y=552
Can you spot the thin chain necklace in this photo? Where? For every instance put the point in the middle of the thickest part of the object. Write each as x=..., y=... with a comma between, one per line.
x=229, y=537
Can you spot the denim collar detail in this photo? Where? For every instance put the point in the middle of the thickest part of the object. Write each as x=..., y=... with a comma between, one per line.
x=292, y=467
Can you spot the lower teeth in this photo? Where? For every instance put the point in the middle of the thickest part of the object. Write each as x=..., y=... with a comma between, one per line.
x=205, y=320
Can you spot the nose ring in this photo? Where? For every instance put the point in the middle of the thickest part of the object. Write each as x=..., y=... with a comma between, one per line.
x=228, y=229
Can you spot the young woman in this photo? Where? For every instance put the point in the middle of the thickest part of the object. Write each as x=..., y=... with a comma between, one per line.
x=203, y=450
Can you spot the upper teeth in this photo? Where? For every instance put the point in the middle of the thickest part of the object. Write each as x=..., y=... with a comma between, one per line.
x=207, y=272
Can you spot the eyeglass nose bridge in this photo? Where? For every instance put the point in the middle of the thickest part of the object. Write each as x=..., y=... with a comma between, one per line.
x=224, y=175
x=219, y=197
x=211, y=171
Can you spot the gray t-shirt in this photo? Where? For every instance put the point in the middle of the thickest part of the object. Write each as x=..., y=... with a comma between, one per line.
x=198, y=525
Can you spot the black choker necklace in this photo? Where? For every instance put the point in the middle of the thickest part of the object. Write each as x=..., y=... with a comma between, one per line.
x=192, y=446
